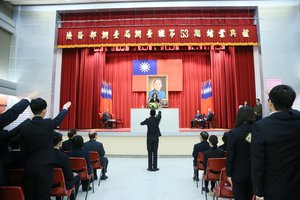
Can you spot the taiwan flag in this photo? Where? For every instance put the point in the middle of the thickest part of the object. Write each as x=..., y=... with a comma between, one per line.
x=106, y=97
x=206, y=96
x=144, y=67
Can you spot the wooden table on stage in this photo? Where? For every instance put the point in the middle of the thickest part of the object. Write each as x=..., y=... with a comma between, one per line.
x=169, y=121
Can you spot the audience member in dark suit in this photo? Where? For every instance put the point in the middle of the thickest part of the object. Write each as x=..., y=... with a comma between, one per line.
x=5, y=119
x=238, y=165
x=63, y=162
x=37, y=139
x=108, y=118
x=212, y=152
x=208, y=117
x=275, y=148
x=79, y=152
x=68, y=144
x=199, y=147
x=197, y=119
x=94, y=145
x=224, y=139
x=153, y=134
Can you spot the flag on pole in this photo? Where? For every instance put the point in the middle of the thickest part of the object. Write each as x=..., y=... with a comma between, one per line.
x=106, y=97
x=206, y=97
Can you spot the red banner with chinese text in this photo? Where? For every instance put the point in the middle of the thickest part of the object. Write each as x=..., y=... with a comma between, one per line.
x=187, y=35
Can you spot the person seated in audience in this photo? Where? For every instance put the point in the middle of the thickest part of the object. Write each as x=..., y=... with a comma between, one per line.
x=212, y=152
x=67, y=145
x=79, y=152
x=224, y=138
x=17, y=155
x=154, y=98
x=94, y=145
x=63, y=162
x=108, y=118
x=197, y=119
x=199, y=147
x=208, y=117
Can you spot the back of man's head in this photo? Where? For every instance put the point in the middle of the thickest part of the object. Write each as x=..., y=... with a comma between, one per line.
x=204, y=135
x=77, y=142
x=282, y=97
x=152, y=112
x=225, y=136
x=92, y=135
x=38, y=105
x=213, y=140
x=57, y=138
x=72, y=133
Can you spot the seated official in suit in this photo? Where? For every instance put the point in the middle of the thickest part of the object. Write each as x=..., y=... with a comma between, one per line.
x=63, y=162
x=79, y=152
x=107, y=117
x=94, y=145
x=154, y=98
x=208, y=117
x=199, y=147
x=67, y=145
x=197, y=119
x=212, y=152
x=37, y=138
x=224, y=139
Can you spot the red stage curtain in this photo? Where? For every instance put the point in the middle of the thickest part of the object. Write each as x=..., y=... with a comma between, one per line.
x=231, y=71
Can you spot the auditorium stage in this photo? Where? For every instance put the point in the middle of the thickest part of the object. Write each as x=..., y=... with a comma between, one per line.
x=123, y=142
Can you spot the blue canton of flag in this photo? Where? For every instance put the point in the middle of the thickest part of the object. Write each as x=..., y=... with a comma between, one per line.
x=144, y=67
x=206, y=90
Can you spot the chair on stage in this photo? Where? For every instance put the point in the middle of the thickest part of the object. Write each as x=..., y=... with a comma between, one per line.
x=16, y=177
x=95, y=162
x=79, y=166
x=200, y=162
x=118, y=121
x=11, y=193
x=214, y=167
x=224, y=190
x=59, y=186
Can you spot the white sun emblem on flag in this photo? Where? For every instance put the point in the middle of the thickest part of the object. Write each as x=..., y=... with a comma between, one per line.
x=145, y=67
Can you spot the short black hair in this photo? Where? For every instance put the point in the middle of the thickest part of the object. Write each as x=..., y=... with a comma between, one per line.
x=154, y=94
x=57, y=137
x=245, y=115
x=204, y=135
x=152, y=112
x=225, y=136
x=213, y=139
x=71, y=133
x=92, y=134
x=77, y=142
x=38, y=105
x=282, y=97
x=258, y=99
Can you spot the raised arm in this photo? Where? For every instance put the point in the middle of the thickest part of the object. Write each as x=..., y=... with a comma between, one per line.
x=59, y=118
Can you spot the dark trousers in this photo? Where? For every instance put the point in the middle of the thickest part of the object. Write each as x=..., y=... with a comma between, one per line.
x=152, y=146
x=38, y=182
x=212, y=184
x=242, y=189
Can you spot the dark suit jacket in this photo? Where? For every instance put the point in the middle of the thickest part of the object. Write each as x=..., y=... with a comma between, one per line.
x=209, y=116
x=152, y=123
x=238, y=164
x=106, y=116
x=64, y=163
x=223, y=146
x=37, y=138
x=154, y=100
x=5, y=119
x=275, y=154
x=67, y=145
x=212, y=152
x=200, y=147
x=94, y=145
x=82, y=153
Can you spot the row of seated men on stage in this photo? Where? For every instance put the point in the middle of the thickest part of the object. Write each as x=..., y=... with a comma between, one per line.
x=73, y=147
x=200, y=119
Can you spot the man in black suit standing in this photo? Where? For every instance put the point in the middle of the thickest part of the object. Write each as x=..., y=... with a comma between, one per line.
x=5, y=119
x=199, y=147
x=63, y=162
x=37, y=138
x=275, y=151
x=153, y=134
x=94, y=145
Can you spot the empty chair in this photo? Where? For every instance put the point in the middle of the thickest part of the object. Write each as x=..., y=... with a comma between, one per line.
x=224, y=190
x=11, y=193
x=79, y=166
x=59, y=186
x=95, y=161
